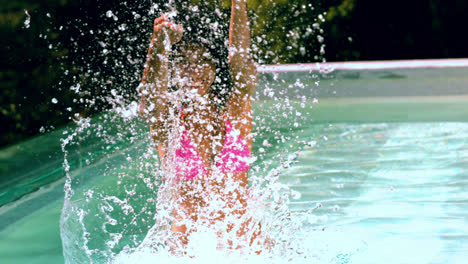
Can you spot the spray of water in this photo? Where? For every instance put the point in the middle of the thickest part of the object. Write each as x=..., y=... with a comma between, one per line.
x=119, y=198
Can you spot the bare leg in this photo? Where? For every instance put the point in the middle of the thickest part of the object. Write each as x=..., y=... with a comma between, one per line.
x=180, y=234
x=186, y=212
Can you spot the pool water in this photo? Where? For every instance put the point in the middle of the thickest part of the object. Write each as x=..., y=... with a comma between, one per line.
x=398, y=189
x=385, y=176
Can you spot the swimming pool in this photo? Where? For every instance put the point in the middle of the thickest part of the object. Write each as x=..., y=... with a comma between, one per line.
x=385, y=155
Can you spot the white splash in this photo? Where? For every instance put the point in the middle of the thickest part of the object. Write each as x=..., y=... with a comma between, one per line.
x=27, y=21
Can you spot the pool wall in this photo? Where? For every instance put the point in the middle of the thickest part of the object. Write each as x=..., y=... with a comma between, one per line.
x=380, y=91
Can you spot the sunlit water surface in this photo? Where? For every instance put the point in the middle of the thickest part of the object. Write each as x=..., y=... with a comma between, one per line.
x=361, y=193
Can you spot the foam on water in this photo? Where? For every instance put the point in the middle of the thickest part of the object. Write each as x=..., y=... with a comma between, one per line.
x=310, y=246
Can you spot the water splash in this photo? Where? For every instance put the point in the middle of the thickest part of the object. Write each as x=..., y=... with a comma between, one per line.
x=118, y=198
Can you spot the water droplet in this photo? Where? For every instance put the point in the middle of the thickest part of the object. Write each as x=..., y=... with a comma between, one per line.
x=27, y=21
x=296, y=195
x=302, y=50
x=320, y=38
x=321, y=18
x=266, y=143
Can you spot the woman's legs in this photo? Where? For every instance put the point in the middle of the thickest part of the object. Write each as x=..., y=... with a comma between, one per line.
x=223, y=212
x=180, y=232
x=186, y=215
x=183, y=224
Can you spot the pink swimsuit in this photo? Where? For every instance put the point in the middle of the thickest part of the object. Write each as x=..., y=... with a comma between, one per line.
x=234, y=157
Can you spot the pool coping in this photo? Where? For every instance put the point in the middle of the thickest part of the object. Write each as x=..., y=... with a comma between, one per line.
x=328, y=67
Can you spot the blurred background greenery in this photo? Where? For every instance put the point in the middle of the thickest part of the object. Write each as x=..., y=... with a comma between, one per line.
x=58, y=56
